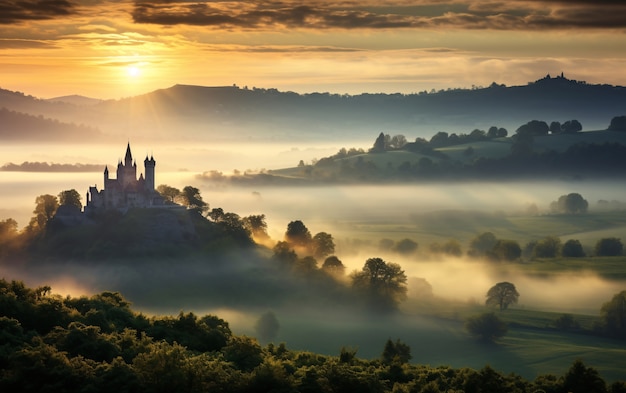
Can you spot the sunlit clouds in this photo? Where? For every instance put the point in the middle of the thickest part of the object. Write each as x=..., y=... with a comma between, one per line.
x=88, y=47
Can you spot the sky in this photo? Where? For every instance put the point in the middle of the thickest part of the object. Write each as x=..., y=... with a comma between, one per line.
x=118, y=48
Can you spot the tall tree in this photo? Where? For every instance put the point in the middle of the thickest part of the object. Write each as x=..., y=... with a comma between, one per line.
x=383, y=283
x=379, y=144
x=193, y=200
x=323, y=245
x=170, y=193
x=502, y=295
x=614, y=315
x=45, y=207
x=298, y=234
x=70, y=197
x=256, y=225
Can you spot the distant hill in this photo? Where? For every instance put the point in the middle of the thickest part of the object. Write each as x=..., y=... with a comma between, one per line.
x=75, y=100
x=17, y=126
x=185, y=112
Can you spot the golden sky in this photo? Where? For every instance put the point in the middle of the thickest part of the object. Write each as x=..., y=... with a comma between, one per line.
x=114, y=49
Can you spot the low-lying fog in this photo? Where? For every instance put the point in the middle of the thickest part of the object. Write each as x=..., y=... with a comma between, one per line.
x=357, y=216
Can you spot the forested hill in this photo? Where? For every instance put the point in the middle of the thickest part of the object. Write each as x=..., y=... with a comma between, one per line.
x=219, y=113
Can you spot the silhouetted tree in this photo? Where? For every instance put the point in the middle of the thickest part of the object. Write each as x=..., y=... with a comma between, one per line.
x=298, y=234
x=572, y=203
x=396, y=352
x=323, y=245
x=256, y=225
x=482, y=244
x=487, y=327
x=379, y=144
x=70, y=197
x=45, y=207
x=383, y=283
x=566, y=322
x=609, y=247
x=492, y=132
x=502, y=132
x=582, y=379
x=506, y=250
x=571, y=126
x=618, y=123
x=439, y=139
x=533, y=127
x=170, y=193
x=555, y=127
x=614, y=315
x=502, y=295
x=405, y=246
x=397, y=141
x=572, y=249
x=193, y=200
x=334, y=266
x=216, y=214
x=284, y=253
x=547, y=247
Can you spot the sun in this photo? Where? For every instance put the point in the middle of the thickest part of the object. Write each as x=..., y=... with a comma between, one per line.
x=133, y=71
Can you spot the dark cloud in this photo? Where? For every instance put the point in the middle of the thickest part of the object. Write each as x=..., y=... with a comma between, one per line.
x=18, y=11
x=24, y=44
x=512, y=15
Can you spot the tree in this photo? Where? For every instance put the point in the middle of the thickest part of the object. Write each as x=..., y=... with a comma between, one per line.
x=609, y=247
x=45, y=207
x=379, y=144
x=397, y=352
x=267, y=326
x=170, y=193
x=298, y=234
x=256, y=225
x=193, y=200
x=8, y=228
x=482, y=244
x=70, y=197
x=216, y=214
x=439, y=139
x=547, y=247
x=614, y=315
x=582, y=379
x=534, y=127
x=334, y=266
x=323, y=245
x=383, y=283
x=572, y=203
x=502, y=132
x=405, y=246
x=502, y=294
x=506, y=250
x=397, y=141
x=492, y=132
x=571, y=126
x=555, y=127
x=618, y=123
x=572, y=249
x=487, y=327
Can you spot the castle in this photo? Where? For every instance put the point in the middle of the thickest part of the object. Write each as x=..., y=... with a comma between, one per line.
x=126, y=190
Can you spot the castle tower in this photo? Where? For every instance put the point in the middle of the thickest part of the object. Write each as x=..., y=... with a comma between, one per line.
x=149, y=165
x=127, y=172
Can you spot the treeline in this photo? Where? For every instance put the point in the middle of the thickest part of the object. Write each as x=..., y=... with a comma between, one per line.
x=96, y=344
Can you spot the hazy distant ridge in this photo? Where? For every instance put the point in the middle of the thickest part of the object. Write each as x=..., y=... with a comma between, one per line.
x=217, y=113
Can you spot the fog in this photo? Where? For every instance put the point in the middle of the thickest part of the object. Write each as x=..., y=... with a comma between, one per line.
x=241, y=287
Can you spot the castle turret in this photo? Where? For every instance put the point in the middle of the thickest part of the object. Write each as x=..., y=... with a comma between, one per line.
x=149, y=165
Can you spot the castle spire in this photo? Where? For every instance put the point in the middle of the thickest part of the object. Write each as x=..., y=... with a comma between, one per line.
x=129, y=156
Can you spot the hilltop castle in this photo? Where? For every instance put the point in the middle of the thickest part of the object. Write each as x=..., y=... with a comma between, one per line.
x=126, y=190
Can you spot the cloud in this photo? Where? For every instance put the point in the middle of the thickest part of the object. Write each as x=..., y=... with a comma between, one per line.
x=24, y=44
x=512, y=15
x=16, y=11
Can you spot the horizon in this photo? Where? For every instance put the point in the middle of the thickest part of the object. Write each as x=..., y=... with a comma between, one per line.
x=117, y=49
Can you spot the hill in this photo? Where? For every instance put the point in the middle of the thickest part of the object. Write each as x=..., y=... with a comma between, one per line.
x=234, y=113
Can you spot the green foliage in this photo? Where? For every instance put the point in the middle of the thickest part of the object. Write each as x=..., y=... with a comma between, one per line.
x=487, y=327
x=582, y=379
x=502, y=295
x=298, y=234
x=566, y=322
x=190, y=197
x=45, y=207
